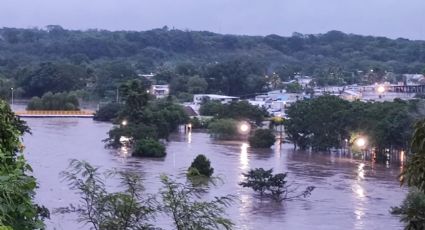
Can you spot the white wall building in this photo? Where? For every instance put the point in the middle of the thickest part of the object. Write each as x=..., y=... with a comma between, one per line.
x=160, y=91
x=199, y=98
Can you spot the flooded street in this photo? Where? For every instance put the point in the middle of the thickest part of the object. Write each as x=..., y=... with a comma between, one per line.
x=349, y=194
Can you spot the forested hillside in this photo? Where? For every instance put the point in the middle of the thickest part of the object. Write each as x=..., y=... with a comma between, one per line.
x=35, y=61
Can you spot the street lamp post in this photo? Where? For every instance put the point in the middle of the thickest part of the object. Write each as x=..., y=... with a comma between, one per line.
x=12, y=98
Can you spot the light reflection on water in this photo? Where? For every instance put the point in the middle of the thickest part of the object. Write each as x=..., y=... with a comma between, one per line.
x=349, y=194
x=244, y=157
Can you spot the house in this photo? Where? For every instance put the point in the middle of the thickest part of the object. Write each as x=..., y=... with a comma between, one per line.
x=160, y=91
x=304, y=81
x=200, y=98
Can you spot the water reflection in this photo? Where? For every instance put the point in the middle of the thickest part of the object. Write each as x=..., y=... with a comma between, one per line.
x=244, y=160
x=124, y=151
x=359, y=196
x=189, y=137
x=360, y=174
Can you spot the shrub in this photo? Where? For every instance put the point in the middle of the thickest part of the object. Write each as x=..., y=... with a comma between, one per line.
x=272, y=185
x=262, y=138
x=201, y=165
x=149, y=148
x=108, y=112
x=199, y=123
x=223, y=129
x=58, y=101
x=412, y=210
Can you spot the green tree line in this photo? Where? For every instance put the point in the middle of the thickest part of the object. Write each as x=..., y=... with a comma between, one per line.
x=55, y=59
x=330, y=122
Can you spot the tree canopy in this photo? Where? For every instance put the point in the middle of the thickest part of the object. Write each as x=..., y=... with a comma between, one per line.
x=56, y=59
x=327, y=121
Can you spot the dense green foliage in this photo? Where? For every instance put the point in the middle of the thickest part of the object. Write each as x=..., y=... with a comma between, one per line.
x=271, y=185
x=148, y=148
x=412, y=210
x=52, y=77
x=54, y=101
x=223, y=129
x=414, y=173
x=262, y=138
x=125, y=209
x=129, y=207
x=238, y=110
x=325, y=122
x=108, y=112
x=35, y=61
x=146, y=120
x=17, y=187
x=202, y=165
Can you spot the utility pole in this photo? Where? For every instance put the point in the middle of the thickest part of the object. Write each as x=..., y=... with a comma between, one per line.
x=12, y=98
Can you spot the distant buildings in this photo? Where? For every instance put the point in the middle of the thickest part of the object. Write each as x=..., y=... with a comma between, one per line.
x=200, y=98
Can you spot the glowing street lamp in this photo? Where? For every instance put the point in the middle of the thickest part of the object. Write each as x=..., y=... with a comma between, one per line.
x=381, y=89
x=360, y=142
x=124, y=123
x=244, y=128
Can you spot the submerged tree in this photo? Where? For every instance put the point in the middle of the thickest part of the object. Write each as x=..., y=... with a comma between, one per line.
x=182, y=203
x=272, y=185
x=201, y=166
x=103, y=210
x=17, y=188
x=131, y=208
x=262, y=138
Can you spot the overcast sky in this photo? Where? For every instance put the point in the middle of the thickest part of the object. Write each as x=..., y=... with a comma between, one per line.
x=391, y=18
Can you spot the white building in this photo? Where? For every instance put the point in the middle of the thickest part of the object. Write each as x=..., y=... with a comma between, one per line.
x=199, y=98
x=160, y=91
x=304, y=81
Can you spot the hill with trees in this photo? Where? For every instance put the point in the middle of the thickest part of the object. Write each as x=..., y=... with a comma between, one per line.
x=95, y=62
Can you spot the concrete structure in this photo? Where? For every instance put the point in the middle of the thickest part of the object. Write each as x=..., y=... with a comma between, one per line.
x=200, y=98
x=160, y=91
x=304, y=81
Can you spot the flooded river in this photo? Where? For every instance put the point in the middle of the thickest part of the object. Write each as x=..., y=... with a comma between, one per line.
x=350, y=194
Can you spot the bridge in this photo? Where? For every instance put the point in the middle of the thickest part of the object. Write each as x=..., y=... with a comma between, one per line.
x=55, y=113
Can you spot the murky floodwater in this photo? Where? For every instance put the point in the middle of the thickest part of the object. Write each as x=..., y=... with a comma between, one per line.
x=350, y=194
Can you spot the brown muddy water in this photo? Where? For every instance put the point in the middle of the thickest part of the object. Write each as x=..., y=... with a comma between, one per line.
x=350, y=193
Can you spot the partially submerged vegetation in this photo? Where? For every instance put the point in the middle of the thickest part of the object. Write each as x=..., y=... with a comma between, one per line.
x=132, y=208
x=330, y=122
x=144, y=122
x=54, y=101
x=274, y=186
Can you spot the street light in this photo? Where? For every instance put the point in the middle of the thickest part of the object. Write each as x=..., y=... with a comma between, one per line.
x=12, y=97
x=360, y=142
x=244, y=128
x=124, y=123
x=380, y=89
